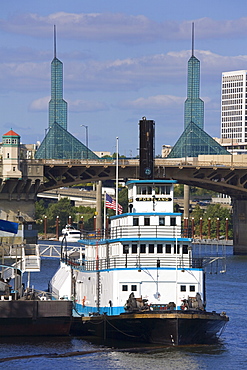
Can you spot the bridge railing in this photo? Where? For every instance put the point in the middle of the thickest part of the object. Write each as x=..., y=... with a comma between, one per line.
x=217, y=161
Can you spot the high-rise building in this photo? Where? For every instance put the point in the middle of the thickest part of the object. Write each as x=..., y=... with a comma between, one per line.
x=58, y=142
x=233, y=107
x=194, y=106
x=57, y=105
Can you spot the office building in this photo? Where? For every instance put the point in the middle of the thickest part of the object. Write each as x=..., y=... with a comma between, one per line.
x=233, y=109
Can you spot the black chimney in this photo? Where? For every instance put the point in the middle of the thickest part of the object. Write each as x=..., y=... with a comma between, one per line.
x=146, y=149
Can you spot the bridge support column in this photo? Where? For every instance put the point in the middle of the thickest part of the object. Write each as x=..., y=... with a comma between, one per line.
x=239, y=226
x=13, y=210
x=186, y=201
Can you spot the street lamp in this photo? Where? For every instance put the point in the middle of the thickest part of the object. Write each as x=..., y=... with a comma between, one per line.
x=86, y=127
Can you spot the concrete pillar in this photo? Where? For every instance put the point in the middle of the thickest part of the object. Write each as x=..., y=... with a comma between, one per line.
x=239, y=226
x=12, y=209
x=186, y=201
x=99, y=206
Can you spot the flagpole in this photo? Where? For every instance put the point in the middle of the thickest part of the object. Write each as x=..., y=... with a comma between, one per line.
x=116, y=175
x=104, y=214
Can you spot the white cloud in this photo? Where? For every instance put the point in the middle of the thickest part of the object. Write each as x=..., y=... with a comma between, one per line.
x=87, y=106
x=40, y=105
x=121, y=27
x=127, y=74
x=153, y=103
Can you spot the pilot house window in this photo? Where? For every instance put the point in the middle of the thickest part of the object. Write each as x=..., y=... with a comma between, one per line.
x=135, y=221
x=146, y=221
x=173, y=221
x=134, y=248
x=143, y=248
x=162, y=221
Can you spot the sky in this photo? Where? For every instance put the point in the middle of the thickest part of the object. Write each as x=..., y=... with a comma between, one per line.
x=122, y=60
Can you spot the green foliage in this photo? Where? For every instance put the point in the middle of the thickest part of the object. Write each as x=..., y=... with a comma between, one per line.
x=123, y=199
x=194, y=191
x=213, y=211
x=178, y=190
x=114, y=155
x=63, y=209
x=201, y=192
x=40, y=209
x=88, y=216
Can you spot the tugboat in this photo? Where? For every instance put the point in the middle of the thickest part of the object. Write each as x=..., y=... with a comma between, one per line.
x=141, y=282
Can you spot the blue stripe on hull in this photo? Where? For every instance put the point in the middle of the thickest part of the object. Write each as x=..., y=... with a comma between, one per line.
x=87, y=310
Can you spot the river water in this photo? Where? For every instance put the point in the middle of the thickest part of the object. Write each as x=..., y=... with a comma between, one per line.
x=225, y=292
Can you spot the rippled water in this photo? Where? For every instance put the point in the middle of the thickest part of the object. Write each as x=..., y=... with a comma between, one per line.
x=225, y=292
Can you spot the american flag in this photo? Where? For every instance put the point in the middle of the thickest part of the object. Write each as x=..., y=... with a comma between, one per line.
x=111, y=203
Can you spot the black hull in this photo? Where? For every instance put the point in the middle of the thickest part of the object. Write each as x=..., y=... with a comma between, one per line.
x=35, y=318
x=177, y=328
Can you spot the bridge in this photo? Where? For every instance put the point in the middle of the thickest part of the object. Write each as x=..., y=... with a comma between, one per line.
x=223, y=175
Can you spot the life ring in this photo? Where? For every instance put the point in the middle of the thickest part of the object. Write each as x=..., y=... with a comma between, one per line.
x=83, y=301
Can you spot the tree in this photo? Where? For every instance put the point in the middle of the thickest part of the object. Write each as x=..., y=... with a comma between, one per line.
x=123, y=199
x=63, y=209
x=213, y=212
x=88, y=216
x=40, y=209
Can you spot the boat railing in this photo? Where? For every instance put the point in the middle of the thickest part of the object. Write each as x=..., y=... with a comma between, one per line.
x=134, y=232
x=209, y=264
x=134, y=262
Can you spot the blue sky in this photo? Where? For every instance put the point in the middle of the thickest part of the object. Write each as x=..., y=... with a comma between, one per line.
x=122, y=60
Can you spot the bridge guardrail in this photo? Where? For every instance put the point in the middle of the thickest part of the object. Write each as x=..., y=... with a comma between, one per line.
x=231, y=163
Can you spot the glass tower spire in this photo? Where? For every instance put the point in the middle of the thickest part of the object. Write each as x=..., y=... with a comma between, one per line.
x=57, y=105
x=58, y=142
x=194, y=106
x=194, y=140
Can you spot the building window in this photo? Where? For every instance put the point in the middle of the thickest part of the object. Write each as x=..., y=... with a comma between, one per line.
x=134, y=288
x=7, y=155
x=135, y=221
x=124, y=288
x=162, y=221
x=182, y=288
x=151, y=248
x=143, y=248
x=146, y=221
x=134, y=248
x=173, y=221
x=168, y=248
x=13, y=168
x=192, y=288
x=159, y=248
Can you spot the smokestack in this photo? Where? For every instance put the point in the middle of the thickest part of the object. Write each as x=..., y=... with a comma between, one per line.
x=146, y=149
